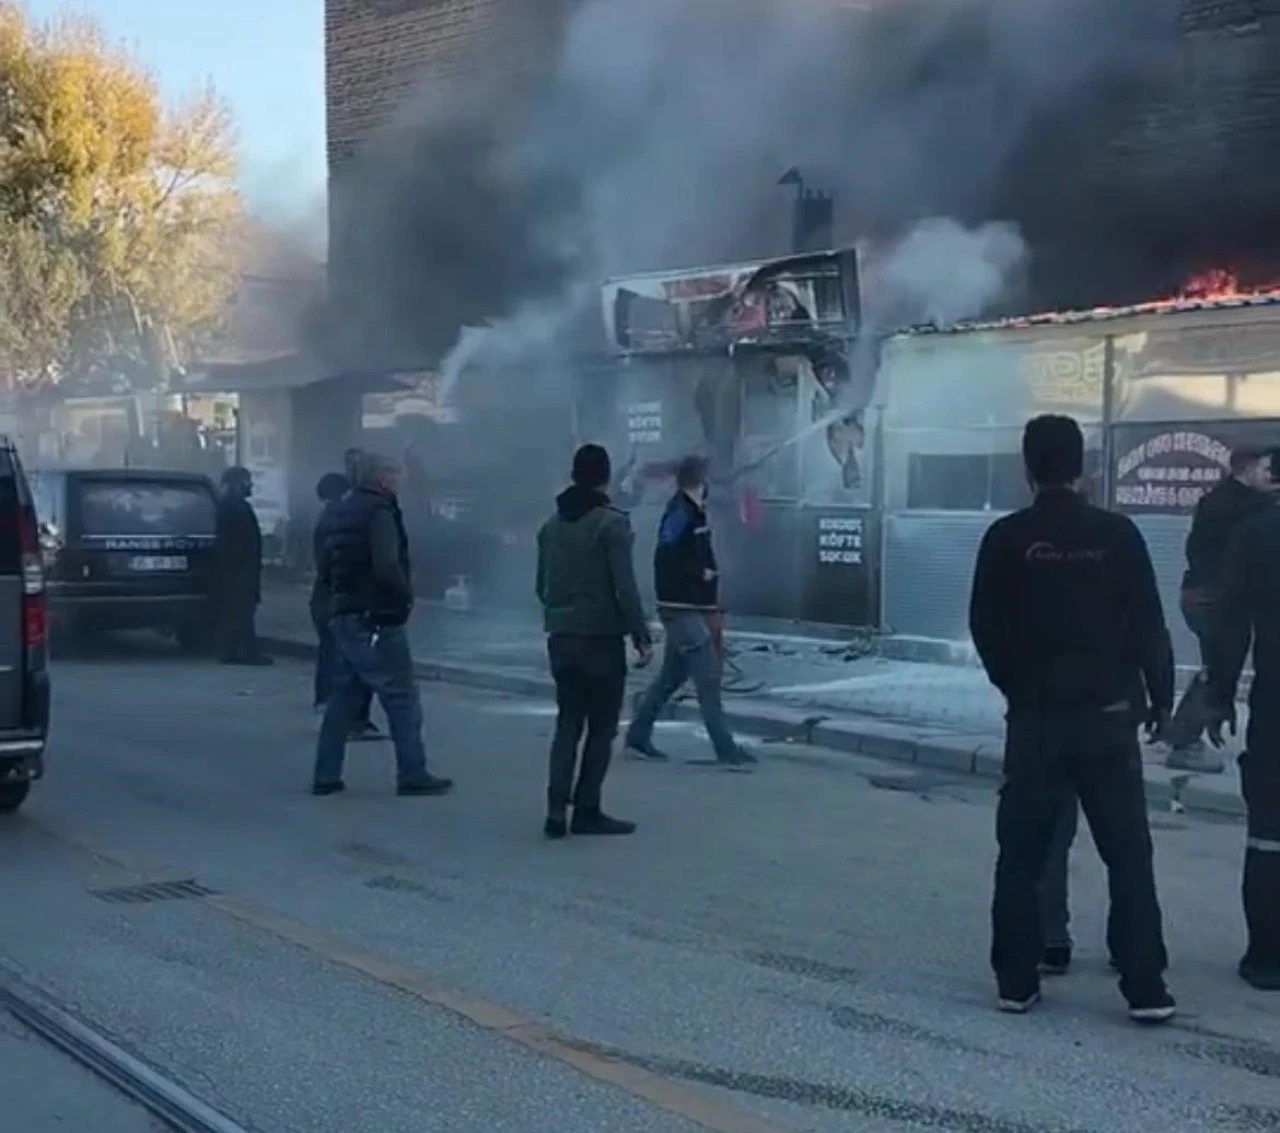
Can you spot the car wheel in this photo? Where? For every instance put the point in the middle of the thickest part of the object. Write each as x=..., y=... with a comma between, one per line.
x=13, y=795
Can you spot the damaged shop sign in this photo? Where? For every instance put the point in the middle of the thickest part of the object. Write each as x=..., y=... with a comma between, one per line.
x=1166, y=470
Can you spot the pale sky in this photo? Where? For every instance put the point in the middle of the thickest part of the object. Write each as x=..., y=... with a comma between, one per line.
x=266, y=57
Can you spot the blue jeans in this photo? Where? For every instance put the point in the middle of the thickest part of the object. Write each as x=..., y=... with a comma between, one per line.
x=325, y=653
x=379, y=660
x=689, y=653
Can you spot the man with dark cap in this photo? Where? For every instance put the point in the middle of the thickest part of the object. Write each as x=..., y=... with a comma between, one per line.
x=687, y=582
x=1220, y=512
x=1067, y=620
x=364, y=564
x=238, y=554
x=331, y=488
x=587, y=586
x=1250, y=611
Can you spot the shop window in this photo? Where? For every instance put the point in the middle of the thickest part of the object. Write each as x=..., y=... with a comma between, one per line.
x=980, y=481
x=947, y=482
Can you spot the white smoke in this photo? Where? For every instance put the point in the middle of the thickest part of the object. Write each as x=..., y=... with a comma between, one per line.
x=942, y=273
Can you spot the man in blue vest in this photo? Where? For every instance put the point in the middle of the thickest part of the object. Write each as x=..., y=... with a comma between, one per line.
x=687, y=583
x=364, y=564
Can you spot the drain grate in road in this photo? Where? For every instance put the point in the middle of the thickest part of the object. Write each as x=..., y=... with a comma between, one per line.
x=147, y=894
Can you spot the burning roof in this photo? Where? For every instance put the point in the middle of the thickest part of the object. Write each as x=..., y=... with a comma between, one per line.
x=1214, y=290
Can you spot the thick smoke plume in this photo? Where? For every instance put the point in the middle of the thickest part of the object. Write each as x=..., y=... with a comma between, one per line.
x=941, y=273
x=656, y=138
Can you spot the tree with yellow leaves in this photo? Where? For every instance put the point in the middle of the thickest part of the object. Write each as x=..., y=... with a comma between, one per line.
x=119, y=216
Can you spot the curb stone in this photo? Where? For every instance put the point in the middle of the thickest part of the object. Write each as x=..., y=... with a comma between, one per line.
x=977, y=755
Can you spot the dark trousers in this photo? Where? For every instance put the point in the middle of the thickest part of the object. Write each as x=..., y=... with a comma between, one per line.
x=1260, y=889
x=1047, y=757
x=591, y=676
x=237, y=633
x=326, y=659
x=1054, y=893
x=1055, y=887
x=1191, y=715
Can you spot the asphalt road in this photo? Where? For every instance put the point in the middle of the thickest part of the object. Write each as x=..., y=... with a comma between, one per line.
x=804, y=946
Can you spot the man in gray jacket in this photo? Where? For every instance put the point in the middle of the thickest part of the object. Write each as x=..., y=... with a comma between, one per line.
x=586, y=583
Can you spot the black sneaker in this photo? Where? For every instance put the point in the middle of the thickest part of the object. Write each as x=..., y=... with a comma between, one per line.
x=428, y=785
x=592, y=820
x=1260, y=976
x=556, y=826
x=1056, y=961
x=740, y=760
x=334, y=788
x=1018, y=1002
x=1158, y=1008
x=646, y=754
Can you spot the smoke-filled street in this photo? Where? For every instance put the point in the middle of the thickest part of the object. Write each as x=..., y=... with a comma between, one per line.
x=801, y=949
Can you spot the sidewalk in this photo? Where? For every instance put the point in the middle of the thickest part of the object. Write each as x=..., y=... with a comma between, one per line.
x=788, y=689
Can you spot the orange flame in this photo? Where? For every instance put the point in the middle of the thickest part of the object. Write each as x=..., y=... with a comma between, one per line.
x=1219, y=284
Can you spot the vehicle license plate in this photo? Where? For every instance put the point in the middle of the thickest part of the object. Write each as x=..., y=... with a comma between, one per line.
x=158, y=562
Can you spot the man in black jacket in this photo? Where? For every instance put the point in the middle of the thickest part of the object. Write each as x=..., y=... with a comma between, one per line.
x=238, y=552
x=590, y=604
x=687, y=582
x=329, y=490
x=1250, y=610
x=1066, y=617
x=364, y=567
x=1218, y=514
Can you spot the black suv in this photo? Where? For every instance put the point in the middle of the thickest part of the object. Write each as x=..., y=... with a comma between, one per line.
x=129, y=549
x=24, y=669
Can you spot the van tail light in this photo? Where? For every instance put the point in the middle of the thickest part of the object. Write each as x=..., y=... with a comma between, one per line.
x=35, y=613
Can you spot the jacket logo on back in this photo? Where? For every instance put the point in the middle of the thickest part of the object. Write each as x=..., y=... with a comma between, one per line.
x=1044, y=552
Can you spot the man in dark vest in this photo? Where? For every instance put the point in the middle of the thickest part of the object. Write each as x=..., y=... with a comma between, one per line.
x=238, y=553
x=590, y=605
x=687, y=582
x=364, y=564
x=1250, y=610
x=330, y=489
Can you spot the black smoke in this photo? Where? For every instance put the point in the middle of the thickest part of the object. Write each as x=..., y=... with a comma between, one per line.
x=654, y=134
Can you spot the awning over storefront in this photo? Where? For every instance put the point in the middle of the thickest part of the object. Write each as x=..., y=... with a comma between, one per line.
x=290, y=372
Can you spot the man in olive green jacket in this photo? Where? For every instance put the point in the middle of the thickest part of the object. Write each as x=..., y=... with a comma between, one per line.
x=590, y=601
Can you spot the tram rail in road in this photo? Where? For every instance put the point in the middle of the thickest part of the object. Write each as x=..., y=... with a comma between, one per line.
x=161, y=1097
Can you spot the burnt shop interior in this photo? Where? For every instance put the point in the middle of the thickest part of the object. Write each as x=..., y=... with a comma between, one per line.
x=1163, y=399
x=791, y=472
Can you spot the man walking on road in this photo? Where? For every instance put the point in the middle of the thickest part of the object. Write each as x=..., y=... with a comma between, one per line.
x=238, y=552
x=1219, y=513
x=1066, y=617
x=330, y=489
x=687, y=582
x=587, y=586
x=1250, y=608
x=364, y=564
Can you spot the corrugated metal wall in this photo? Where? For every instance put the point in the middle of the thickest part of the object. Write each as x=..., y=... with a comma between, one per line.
x=928, y=566
x=963, y=397
x=1166, y=537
